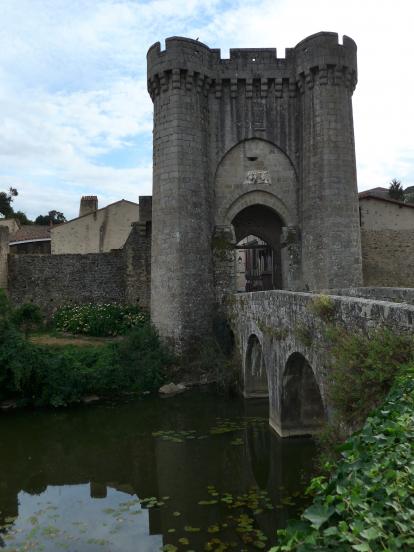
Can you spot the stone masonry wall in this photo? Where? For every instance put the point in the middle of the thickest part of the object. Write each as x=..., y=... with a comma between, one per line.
x=53, y=280
x=388, y=257
x=50, y=281
x=137, y=259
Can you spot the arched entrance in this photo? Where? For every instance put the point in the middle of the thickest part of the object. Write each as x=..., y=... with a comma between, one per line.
x=302, y=407
x=255, y=198
x=258, y=232
x=255, y=376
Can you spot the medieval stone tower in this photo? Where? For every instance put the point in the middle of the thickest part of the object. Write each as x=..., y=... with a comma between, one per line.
x=251, y=145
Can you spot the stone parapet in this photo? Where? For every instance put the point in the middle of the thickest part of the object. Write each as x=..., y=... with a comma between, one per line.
x=191, y=65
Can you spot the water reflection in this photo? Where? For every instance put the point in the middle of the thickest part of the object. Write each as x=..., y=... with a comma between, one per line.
x=95, y=465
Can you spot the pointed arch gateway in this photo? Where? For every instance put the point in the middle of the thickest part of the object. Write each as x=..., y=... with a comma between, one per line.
x=258, y=231
x=256, y=196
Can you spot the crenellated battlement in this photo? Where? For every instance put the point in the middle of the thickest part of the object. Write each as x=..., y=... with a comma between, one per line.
x=189, y=64
x=283, y=86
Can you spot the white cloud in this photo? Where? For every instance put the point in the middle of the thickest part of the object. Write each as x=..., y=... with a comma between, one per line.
x=383, y=109
x=73, y=94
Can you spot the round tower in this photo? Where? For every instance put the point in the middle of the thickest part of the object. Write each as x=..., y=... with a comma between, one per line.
x=288, y=122
x=326, y=73
x=181, y=281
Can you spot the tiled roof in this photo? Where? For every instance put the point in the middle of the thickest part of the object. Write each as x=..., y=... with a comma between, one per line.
x=29, y=232
x=383, y=195
x=376, y=192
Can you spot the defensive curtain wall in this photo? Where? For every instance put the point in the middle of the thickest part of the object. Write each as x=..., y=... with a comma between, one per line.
x=121, y=276
x=281, y=338
x=254, y=144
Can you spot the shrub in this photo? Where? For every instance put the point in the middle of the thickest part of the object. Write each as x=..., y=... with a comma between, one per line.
x=18, y=359
x=99, y=319
x=27, y=318
x=135, y=364
x=65, y=374
x=142, y=359
x=364, y=367
x=304, y=334
x=367, y=503
x=44, y=375
x=323, y=306
x=211, y=361
x=5, y=308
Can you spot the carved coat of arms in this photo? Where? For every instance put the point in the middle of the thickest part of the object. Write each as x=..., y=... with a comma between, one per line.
x=256, y=178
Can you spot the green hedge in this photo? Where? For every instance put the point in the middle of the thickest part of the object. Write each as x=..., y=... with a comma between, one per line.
x=368, y=503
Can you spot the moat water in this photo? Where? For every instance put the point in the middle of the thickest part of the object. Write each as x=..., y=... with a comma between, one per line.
x=193, y=472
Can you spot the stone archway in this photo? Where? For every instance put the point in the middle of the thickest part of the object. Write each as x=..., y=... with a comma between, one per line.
x=255, y=194
x=258, y=231
x=302, y=409
x=255, y=375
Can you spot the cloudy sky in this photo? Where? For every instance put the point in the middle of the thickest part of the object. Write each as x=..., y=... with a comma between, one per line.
x=75, y=117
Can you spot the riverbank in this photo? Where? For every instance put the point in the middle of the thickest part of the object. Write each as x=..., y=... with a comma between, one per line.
x=99, y=350
x=39, y=374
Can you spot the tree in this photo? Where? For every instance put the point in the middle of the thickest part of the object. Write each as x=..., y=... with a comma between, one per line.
x=53, y=217
x=6, y=199
x=395, y=190
x=22, y=218
x=409, y=194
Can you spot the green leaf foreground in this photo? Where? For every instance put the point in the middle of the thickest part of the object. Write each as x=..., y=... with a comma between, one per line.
x=368, y=503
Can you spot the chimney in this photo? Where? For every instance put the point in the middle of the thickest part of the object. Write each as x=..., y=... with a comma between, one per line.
x=88, y=204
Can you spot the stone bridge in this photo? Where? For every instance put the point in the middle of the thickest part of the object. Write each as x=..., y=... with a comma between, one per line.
x=281, y=337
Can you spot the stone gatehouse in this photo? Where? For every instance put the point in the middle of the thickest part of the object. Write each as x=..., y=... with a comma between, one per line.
x=251, y=145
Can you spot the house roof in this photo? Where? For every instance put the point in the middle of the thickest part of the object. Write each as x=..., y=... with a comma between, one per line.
x=97, y=210
x=31, y=232
x=382, y=195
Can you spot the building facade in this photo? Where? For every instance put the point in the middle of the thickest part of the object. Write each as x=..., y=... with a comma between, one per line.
x=95, y=230
x=387, y=236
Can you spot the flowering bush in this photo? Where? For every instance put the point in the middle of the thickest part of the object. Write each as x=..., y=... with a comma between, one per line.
x=99, y=319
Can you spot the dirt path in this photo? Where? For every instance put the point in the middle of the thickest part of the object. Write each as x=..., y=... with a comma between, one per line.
x=78, y=340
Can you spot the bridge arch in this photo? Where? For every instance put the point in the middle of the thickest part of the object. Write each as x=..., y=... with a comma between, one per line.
x=302, y=409
x=255, y=373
